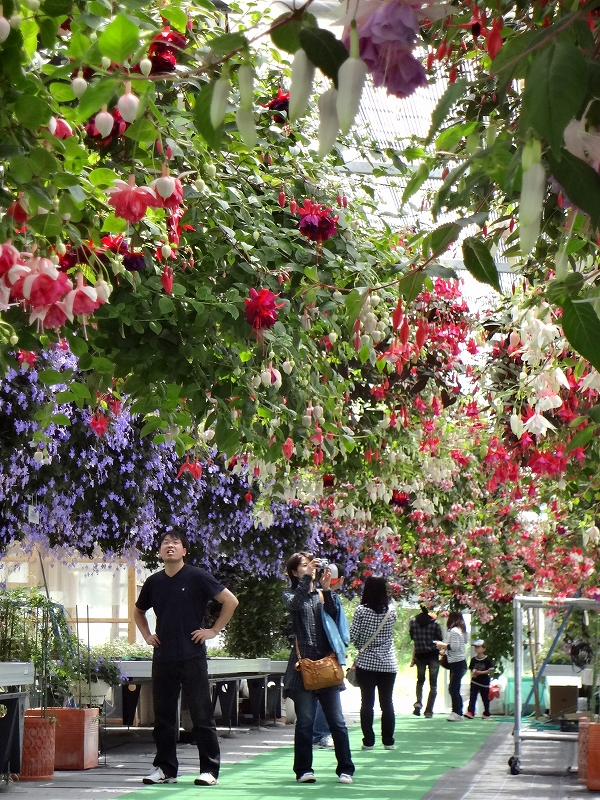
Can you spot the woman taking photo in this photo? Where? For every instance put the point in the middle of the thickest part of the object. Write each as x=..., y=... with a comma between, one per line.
x=376, y=663
x=457, y=661
x=320, y=627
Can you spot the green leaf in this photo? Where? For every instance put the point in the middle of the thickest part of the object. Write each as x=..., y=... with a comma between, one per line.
x=103, y=365
x=51, y=377
x=166, y=305
x=227, y=439
x=95, y=96
x=142, y=130
x=324, y=50
x=77, y=345
x=102, y=177
x=32, y=112
x=227, y=43
x=78, y=45
x=176, y=16
x=580, y=182
x=439, y=271
x=211, y=136
x=80, y=391
x=65, y=397
x=354, y=301
x=150, y=425
x=440, y=239
x=29, y=31
x=119, y=39
x=57, y=8
x=47, y=224
x=554, y=91
x=581, y=326
x=48, y=30
x=416, y=180
x=411, y=284
x=447, y=100
x=60, y=419
x=478, y=260
x=450, y=137
x=42, y=162
x=582, y=438
x=286, y=35
x=594, y=413
x=62, y=92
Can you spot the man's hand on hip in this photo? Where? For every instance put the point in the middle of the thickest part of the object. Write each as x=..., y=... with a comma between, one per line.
x=202, y=634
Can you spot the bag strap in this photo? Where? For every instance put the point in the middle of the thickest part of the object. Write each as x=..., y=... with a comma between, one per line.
x=298, y=650
x=374, y=636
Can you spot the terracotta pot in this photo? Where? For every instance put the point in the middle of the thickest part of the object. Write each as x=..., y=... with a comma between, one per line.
x=76, y=737
x=593, y=759
x=37, y=762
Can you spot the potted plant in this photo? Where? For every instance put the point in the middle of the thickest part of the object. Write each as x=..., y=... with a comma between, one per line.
x=93, y=676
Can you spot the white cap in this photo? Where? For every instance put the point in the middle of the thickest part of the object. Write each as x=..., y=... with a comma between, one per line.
x=334, y=572
x=478, y=642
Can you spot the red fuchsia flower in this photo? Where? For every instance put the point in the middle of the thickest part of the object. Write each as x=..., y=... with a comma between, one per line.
x=281, y=102
x=194, y=469
x=82, y=300
x=118, y=129
x=130, y=201
x=261, y=308
x=99, y=424
x=168, y=192
x=170, y=38
x=288, y=448
x=167, y=279
x=9, y=256
x=14, y=279
x=317, y=223
x=18, y=212
x=60, y=128
x=27, y=357
x=45, y=284
x=52, y=316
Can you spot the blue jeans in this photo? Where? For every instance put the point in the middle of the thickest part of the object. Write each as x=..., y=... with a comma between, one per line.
x=424, y=663
x=320, y=726
x=457, y=672
x=305, y=703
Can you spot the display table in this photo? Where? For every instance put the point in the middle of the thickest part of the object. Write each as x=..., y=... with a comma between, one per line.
x=13, y=673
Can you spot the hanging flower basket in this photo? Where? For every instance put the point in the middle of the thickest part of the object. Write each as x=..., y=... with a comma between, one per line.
x=90, y=694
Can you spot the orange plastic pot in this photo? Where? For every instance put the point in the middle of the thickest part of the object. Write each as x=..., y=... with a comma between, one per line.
x=76, y=737
x=593, y=759
x=37, y=761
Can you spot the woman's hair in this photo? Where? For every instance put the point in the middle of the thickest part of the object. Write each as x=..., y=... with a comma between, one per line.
x=375, y=594
x=456, y=620
x=293, y=563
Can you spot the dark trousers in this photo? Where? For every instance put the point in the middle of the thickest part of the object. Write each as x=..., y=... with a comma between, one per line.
x=484, y=693
x=384, y=681
x=457, y=671
x=305, y=702
x=169, y=678
x=424, y=663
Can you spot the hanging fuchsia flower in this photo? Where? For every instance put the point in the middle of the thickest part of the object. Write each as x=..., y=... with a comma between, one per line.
x=9, y=256
x=45, y=284
x=317, y=223
x=99, y=424
x=81, y=300
x=288, y=448
x=261, y=308
x=52, y=316
x=130, y=201
x=168, y=191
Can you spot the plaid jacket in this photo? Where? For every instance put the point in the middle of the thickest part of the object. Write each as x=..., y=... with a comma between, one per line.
x=305, y=609
x=424, y=636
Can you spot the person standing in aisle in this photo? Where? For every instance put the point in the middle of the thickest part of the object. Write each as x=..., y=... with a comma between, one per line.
x=179, y=594
x=457, y=661
x=320, y=627
x=424, y=630
x=481, y=670
x=376, y=664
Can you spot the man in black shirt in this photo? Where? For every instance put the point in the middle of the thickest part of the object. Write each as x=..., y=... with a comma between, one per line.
x=179, y=595
x=425, y=631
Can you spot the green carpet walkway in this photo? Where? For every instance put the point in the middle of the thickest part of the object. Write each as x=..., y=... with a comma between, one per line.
x=425, y=750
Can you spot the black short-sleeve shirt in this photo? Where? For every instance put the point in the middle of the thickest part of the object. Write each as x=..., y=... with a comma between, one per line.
x=179, y=603
x=481, y=664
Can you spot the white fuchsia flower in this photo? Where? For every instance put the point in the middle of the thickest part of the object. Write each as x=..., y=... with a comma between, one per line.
x=533, y=190
x=538, y=425
x=303, y=73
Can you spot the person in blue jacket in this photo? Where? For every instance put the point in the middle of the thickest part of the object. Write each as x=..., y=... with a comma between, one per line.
x=320, y=627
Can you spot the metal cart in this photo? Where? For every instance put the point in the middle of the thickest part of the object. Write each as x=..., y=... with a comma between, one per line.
x=521, y=733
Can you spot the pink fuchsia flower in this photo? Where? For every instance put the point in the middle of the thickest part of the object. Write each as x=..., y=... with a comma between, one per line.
x=168, y=191
x=52, y=316
x=317, y=223
x=288, y=448
x=261, y=308
x=18, y=212
x=130, y=201
x=60, y=128
x=9, y=256
x=45, y=284
x=83, y=299
x=14, y=279
x=167, y=279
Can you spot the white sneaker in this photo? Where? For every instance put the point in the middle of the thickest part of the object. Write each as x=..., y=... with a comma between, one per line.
x=158, y=776
x=326, y=741
x=454, y=717
x=345, y=778
x=367, y=747
x=206, y=779
x=389, y=746
x=307, y=777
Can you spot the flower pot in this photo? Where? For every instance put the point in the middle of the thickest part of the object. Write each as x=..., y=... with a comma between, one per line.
x=37, y=762
x=76, y=737
x=90, y=694
x=593, y=757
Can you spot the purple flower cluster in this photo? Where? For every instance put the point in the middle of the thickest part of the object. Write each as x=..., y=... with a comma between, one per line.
x=117, y=494
x=386, y=40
